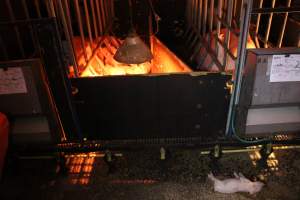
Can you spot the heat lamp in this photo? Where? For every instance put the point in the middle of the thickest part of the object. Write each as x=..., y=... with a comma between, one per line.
x=134, y=50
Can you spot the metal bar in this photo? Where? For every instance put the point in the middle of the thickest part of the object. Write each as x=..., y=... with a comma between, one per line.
x=37, y=7
x=191, y=34
x=24, y=5
x=227, y=36
x=196, y=13
x=234, y=12
x=193, y=12
x=228, y=26
x=87, y=19
x=219, y=17
x=113, y=8
x=78, y=14
x=16, y=29
x=225, y=47
x=240, y=62
x=269, y=26
x=279, y=43
x=211, y=17
x=257, y=24
x=200, y=16
x=50, y=8
x=103, y=14
x=204, y=17
x=68, y=35
x=94, y=18
x=99, y=18
x=293, y=9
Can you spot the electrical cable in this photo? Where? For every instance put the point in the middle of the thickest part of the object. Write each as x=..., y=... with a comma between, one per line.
x=236, y=136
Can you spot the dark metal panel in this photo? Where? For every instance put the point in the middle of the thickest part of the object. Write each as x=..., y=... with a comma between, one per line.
x=164, y=106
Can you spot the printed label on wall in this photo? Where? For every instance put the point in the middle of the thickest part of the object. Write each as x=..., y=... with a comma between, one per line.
x=12, y=81
x=285, y=68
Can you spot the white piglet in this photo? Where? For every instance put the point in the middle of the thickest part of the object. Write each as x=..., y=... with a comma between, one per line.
x=237, y=184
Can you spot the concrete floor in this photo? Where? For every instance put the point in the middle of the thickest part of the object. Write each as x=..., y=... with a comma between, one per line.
x=141, y=175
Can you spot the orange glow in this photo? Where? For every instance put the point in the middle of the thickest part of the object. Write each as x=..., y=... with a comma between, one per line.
x=80, y=167
x=208, y=63
x=103, y=64
x=272, y=163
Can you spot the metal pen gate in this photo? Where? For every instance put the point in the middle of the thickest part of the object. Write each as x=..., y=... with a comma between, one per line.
x=90, y=20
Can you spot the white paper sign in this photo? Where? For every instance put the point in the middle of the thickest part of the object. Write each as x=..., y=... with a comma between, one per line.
x=12, y=81
x=285, y=68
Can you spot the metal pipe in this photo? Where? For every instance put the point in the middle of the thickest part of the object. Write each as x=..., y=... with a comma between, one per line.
x=68, y=36
x=37, y=7
x=240, y=61
x=16, y=29
x=279, y=43
x=87, y=19
x=269, y=26
x=99, y=18
x=252, y=149
x=94, y=18
x=78, y=14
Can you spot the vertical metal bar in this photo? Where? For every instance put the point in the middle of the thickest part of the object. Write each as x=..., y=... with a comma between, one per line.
x=279, y=43
x=190, y=36
x=187, y=18
x=235, y=18
x=24, y=5
x=50, y=8
x=68, y=36
x=113, y=8
x=16, y=29
x=200, y=16
x=99, y=18
x=94, y=18
x=227, y=36
x=37, y=7
x=87, y=19
x=103, y=15
x=240, y=62
x=105, y=12
x=257, y=24
x=266, y=40
x=78, y=14
x=196, y=13
x=193, y=12
x=204, y=17
x=3, y=49
x=211, y=17
x=219, y=18
x=108, y=7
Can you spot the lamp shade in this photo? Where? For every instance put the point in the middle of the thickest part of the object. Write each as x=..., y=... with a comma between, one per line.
x=133, y=50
